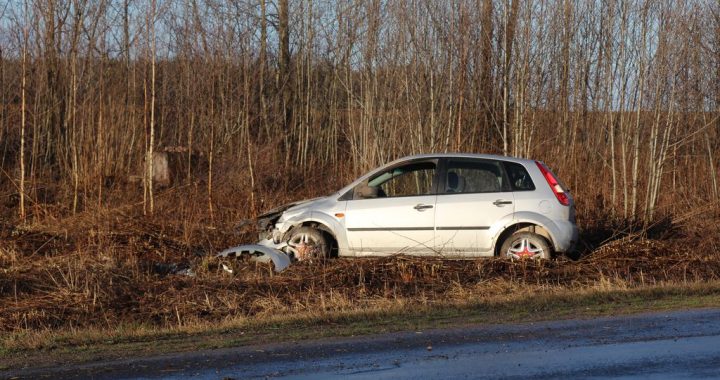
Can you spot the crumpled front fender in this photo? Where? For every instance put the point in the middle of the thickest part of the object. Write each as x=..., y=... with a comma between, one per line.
x=332, y=224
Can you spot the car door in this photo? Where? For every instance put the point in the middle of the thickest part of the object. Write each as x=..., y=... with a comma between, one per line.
x=473, y=194
x=398, y=215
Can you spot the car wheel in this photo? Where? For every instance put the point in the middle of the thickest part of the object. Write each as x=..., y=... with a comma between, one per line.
x=308, y=243
x=525, y=245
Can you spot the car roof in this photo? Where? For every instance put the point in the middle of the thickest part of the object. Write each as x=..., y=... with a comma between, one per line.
x=433, y=156
x=461, y=155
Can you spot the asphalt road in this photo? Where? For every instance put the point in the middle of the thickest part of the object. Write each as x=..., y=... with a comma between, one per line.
x=668, y=345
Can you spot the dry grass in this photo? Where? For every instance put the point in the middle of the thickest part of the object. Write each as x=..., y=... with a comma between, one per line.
x=106, y=275
x=113, y=269
x=525, y=303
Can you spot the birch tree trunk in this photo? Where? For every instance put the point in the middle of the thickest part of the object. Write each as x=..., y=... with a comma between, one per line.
x=151, y=124
x=23, y=119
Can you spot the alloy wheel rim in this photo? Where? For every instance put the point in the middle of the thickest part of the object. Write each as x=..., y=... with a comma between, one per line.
x=524, y=249
x=303, y=246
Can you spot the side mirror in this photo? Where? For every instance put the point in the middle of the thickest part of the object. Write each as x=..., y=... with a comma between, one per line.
x=365, y=191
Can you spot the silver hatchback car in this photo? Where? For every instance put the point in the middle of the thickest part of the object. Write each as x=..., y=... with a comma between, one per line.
x=449, y=205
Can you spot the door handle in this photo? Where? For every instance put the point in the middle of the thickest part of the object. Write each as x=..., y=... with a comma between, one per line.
x=422, y=207
x=501, y=202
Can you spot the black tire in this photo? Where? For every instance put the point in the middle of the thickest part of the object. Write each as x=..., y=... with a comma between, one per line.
x=309, y=243
x=523, y=244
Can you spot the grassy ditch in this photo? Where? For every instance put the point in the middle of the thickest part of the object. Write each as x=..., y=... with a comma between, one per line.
x=532, y=304
x=113, y=285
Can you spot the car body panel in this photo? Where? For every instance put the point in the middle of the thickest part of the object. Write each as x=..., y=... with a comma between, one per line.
x=463, y=221
x=391, y=225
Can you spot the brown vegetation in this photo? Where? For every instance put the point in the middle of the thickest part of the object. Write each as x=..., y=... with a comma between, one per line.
x=263, y=102
x=621, y=98
x=125, y=272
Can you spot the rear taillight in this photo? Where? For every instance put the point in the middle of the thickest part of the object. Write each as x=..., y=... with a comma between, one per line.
x=554, y=184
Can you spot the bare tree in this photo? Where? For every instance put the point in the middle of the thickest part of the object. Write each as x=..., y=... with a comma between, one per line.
x=486, y=64
x=619, y=97
x=23, y=111
x=149, y=155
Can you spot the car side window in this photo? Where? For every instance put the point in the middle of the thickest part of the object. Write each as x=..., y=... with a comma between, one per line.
x=474, y=177
x=519, y=177
x=408, y=180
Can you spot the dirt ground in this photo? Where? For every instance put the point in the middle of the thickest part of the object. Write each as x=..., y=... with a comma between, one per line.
x=117, y=270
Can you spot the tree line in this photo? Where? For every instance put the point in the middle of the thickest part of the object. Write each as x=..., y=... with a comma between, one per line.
x=622, y=98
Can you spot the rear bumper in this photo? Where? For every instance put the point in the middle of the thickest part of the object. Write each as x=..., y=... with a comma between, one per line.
x=567, y=236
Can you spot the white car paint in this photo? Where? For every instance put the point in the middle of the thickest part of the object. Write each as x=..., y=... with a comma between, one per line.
x=463, y=221
x=390, y=225
x=447, y=224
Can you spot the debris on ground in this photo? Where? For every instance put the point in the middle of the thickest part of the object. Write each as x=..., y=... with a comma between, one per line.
x=263, y=252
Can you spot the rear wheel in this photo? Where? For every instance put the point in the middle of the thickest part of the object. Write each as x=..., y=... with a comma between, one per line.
x=525, y=245
x=308, y=243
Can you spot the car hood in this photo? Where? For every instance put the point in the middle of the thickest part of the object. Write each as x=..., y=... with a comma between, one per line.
x=268, y=218
x=292, y=206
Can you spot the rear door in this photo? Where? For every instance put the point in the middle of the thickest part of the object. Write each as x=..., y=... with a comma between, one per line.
x=473, y=194
x=400, y=219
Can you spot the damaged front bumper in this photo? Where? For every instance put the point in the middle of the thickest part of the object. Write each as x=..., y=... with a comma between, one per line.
x=264, y=251
x=273, y=245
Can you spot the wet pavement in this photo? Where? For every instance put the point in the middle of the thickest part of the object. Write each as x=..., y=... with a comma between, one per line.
x=668, y=345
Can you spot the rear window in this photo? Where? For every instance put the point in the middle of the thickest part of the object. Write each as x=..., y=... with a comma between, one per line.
x=519, y=177
x=474, y=177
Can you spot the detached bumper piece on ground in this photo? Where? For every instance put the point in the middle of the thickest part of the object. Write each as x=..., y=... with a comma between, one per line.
x=264, y=251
